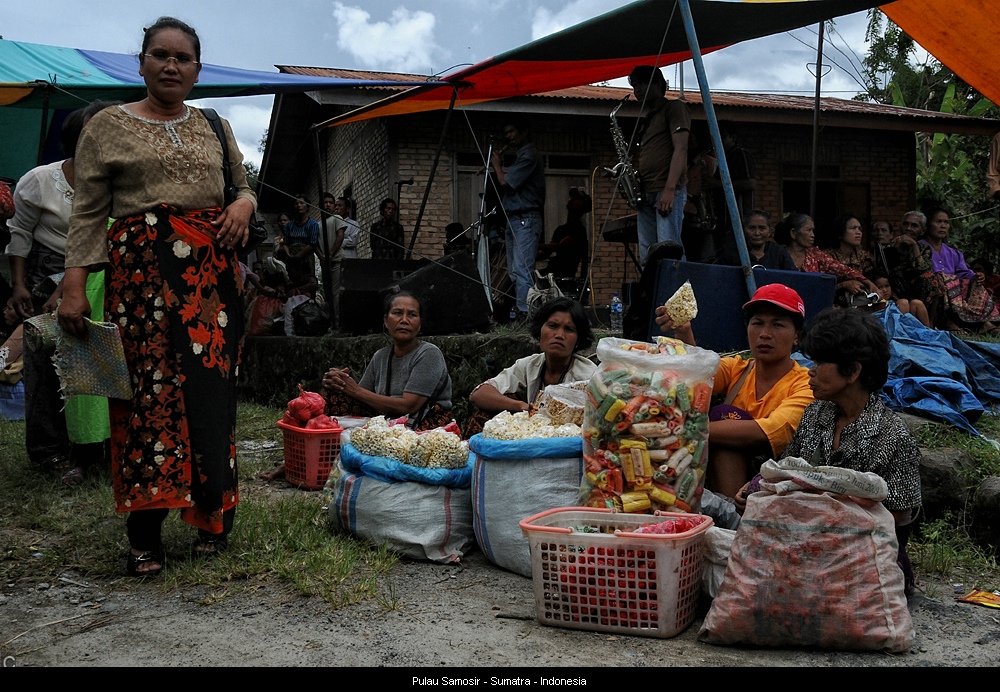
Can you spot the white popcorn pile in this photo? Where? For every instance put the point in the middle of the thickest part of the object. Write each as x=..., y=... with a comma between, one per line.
x=563, y=404
x=432, y=449
x=379, y=439
x=521, y=426
x=439, y=449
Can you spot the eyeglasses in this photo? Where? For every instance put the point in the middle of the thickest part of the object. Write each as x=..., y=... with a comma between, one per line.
x=162, y=57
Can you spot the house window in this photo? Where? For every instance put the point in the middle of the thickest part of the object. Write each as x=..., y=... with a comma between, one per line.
x=833, y=195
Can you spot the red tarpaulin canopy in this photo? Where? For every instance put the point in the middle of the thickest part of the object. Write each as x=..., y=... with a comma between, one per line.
x=607, y=47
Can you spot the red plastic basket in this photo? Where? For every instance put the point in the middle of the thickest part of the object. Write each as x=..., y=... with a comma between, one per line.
x=310, y=455
x=615, y=580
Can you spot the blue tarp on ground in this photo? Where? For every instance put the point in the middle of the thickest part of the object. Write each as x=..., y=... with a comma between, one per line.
x=935, y=374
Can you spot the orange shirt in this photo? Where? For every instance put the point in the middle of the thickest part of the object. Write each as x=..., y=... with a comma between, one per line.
x=779, y=411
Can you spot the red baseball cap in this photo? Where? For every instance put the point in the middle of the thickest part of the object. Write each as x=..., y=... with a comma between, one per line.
x=779, y=295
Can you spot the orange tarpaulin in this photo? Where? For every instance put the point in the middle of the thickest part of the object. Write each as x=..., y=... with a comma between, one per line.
x=962, y=34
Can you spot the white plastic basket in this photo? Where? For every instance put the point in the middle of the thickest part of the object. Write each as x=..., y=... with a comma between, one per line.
x=614, y=580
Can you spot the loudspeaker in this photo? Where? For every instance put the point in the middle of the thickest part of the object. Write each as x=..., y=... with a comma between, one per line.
x=362, y=279
x=452, y=297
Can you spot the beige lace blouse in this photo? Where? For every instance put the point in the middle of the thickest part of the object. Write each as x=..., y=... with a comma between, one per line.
x=126, y=165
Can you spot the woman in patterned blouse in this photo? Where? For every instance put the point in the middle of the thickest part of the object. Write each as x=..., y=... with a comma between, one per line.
x=848, y=425
x=174, y=290
x=798, y=234
x=848, y=248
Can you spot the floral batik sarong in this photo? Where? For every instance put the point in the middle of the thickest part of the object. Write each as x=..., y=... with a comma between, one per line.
x=968, y=301
x=177, y=298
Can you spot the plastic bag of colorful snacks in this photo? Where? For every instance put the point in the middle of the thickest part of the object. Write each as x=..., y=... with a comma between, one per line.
x=645, y=428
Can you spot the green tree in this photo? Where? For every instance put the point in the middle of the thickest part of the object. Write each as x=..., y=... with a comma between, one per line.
x=252, y=174
x=951, y=169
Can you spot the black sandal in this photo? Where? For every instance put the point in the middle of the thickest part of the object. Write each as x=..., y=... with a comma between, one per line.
x=210, y=544
x=146, y=557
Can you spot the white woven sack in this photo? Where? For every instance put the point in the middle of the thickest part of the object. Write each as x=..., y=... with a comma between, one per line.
x=416, y=520
x=505, y=491
x=792, y=474
x=718, y=543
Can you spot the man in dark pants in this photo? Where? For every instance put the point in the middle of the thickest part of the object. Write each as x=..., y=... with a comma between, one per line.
x=522, y=186
x=662, y=163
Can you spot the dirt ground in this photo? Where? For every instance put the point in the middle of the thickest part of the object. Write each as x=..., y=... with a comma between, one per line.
x=472, y=615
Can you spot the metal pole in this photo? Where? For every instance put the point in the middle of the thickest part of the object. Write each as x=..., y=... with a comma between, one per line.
x=713, y=127
x=44, y=129
x=324, y=266
x=430, y=178
x=815, y=149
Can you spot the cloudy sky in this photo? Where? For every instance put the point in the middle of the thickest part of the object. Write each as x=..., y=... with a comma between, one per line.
x=418, y=36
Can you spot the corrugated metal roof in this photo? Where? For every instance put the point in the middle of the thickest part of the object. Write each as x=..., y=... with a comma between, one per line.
x=787, y=103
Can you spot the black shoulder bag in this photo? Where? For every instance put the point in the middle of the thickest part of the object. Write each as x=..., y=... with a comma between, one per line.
x=258, y=233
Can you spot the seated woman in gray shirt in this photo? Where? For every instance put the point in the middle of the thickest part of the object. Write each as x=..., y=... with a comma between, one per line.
x=408, y=378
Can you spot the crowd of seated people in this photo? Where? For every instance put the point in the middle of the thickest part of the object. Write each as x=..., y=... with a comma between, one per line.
x=910, y=265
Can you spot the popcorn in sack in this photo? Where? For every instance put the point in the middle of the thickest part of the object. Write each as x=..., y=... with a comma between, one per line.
x=438, y=448
x=645, y=432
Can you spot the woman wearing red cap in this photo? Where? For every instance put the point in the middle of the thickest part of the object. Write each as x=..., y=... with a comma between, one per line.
x=764, y=396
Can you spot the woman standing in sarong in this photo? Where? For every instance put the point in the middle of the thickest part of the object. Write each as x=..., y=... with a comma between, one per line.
x=174, y=290
x=967, y=302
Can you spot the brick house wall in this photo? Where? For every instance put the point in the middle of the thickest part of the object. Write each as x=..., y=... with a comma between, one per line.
x=370, y=157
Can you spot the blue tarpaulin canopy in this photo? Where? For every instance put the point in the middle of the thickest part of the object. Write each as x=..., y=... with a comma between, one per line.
x=37, y=80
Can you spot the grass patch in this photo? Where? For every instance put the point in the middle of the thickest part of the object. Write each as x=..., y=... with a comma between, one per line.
x=986, y=459
x=944, y=547
x=282, y=535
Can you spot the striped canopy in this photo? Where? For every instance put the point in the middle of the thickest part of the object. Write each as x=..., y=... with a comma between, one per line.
x=43, y=82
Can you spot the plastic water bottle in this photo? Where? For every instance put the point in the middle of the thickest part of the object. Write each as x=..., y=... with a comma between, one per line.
x=616, y=313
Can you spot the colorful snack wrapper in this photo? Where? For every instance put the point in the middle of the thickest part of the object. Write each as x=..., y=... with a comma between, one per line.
x=645, y=427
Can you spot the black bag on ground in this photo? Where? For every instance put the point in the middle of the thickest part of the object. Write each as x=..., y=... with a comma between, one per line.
x=310, y=319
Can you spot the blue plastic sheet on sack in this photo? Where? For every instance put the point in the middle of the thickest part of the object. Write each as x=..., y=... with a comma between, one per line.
x=392, y=471
x=934, y=373
x=531, y=448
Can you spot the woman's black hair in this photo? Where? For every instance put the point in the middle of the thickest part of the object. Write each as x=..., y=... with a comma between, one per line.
x=391, y=298
x=584, y=335
x=72, y=126
x=932, y=211
x=846, y=338
x=171, y=23
x=756, y=212
x=783, y=231
x=840, y=228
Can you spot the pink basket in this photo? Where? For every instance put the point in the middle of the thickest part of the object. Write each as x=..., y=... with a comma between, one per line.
x=310, y=455
x=614, y=580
